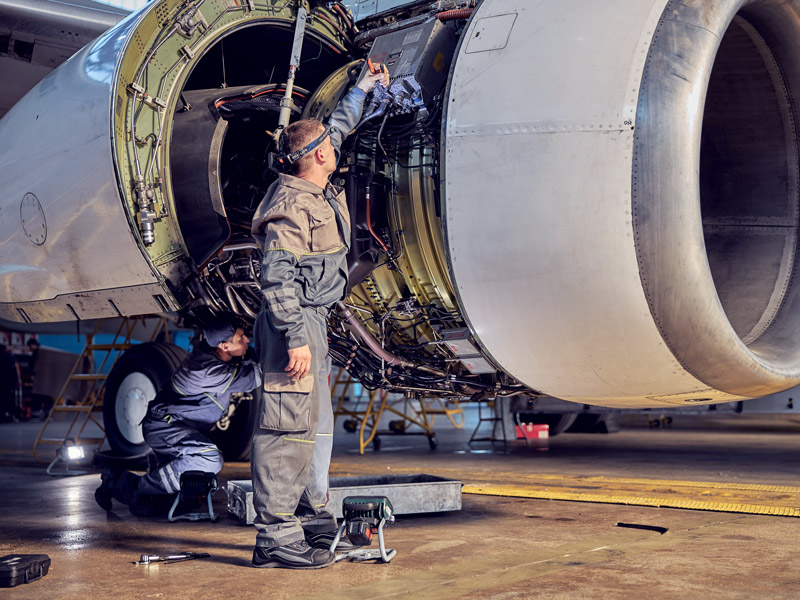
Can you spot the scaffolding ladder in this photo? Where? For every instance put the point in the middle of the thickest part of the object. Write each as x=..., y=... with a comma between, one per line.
x=365, y=415
x=93, y=380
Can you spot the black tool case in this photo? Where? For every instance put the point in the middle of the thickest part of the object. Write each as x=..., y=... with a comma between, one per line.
x=22, y=568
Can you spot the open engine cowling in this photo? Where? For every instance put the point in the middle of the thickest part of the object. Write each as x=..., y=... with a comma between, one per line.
x=601, y=204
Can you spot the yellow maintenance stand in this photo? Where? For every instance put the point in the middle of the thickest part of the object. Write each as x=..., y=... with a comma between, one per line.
x=364, y=413
x=90, y=372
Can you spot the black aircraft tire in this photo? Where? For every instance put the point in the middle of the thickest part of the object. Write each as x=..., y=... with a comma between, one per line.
x=131, y=385
x=586, y=423
x=559, y=422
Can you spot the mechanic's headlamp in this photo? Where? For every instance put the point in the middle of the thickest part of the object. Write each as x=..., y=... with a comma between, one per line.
x=282, y=161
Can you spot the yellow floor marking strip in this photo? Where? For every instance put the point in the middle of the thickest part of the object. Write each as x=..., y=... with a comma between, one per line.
x=718, y=506
x=746, y=498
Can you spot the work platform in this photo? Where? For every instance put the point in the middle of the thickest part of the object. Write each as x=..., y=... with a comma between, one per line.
x=495, y=547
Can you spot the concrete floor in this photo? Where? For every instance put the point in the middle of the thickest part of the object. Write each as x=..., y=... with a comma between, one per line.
x=495, y=547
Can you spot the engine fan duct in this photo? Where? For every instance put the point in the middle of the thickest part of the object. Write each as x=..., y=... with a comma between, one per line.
x=622, y=219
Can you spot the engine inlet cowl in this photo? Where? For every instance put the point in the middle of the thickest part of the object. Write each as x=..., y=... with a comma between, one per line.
x=621, y=197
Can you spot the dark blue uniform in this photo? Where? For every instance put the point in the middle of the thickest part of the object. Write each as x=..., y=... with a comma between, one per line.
x=179, y=417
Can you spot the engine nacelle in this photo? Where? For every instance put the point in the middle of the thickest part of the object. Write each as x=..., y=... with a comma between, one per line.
x=600, y=204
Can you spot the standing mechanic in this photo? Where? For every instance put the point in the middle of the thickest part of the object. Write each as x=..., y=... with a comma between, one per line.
x=303, y=226
x=181, y=414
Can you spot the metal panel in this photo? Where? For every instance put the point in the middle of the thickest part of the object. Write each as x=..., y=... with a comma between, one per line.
x=363, y=9
x=409, y=494
x=548, y=277
x=60, y=137
x=490, y=33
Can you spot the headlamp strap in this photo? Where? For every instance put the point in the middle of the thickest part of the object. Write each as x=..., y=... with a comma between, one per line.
x=293, y=157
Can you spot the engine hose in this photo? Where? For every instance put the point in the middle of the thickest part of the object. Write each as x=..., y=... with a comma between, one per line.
x=376, y=348
x=352, y=358
x=370, y=341
x=337, y=7
x=341, y=31
x=379, y=112
x=454, y=15
x=360, y=359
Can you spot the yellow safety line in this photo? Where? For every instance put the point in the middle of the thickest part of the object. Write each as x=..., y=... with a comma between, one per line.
x=755, y=487
x=296, y=255
x=323, y=252
x=660, y=502
x=235, y=370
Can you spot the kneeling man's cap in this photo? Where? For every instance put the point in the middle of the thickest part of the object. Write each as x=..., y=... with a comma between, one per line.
x=218, y=330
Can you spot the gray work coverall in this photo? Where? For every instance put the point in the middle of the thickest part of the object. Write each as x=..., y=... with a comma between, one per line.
x=304, y=232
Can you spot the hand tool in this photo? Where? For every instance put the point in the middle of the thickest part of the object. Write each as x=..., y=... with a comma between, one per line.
x=146, y=559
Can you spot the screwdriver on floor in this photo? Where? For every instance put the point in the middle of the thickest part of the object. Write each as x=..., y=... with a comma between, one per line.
x=146, y=559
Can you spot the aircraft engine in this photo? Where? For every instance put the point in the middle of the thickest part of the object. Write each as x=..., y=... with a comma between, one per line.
x=596, y=201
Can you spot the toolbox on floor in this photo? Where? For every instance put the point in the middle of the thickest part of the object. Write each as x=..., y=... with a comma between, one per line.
x=22, y=568
x=409, y=494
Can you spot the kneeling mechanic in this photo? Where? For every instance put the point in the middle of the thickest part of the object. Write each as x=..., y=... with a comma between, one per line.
x=182, y=413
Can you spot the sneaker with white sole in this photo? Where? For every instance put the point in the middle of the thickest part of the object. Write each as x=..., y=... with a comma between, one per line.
x=297, y=555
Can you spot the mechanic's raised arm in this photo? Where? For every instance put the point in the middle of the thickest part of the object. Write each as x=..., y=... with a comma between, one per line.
x=348, y=112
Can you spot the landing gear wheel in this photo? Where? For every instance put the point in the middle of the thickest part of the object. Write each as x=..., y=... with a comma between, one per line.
x=586, y=423
x=131, y=385
x=376, y=443
x=433, y=442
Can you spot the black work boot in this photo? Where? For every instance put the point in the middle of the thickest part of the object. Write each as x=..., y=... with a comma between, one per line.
x=150, y=505
x=297, y=555
x=325, y=539
x=104, y=493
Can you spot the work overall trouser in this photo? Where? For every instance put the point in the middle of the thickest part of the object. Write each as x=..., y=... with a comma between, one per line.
x=178, y=447
x=292, y=441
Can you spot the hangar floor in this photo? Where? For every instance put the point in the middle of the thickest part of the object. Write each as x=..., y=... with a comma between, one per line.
x=496, y=547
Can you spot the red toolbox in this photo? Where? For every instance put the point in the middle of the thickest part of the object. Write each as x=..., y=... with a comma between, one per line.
x=533, y=431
